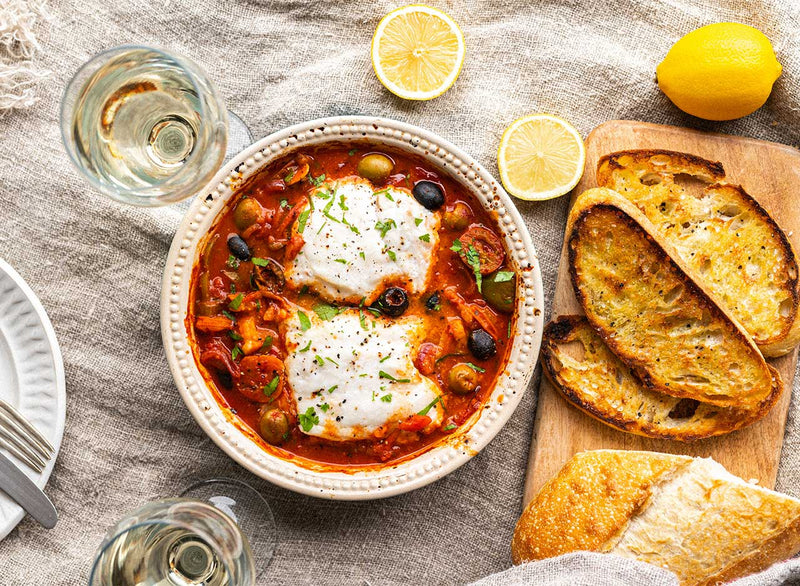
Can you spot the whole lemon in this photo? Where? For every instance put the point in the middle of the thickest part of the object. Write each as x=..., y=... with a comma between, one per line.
x=720, y=71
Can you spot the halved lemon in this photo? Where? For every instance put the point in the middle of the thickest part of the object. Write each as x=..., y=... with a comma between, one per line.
x=417, y=52
x=540, y=157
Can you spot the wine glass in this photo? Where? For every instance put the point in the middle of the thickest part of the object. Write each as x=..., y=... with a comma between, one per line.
x=146, y=126
x=215, y=534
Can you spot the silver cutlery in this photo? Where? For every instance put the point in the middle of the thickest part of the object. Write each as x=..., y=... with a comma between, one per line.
x=22, y=439
x=29, y=496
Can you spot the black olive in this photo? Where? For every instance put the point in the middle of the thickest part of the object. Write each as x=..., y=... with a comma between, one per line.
x=238, y=247
x=393, y=302
x=429, y=194
x=481, y=344
x=432, y=303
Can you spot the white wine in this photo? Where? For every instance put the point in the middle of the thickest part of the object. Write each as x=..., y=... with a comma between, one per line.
x=141, y=120
x=178, y=542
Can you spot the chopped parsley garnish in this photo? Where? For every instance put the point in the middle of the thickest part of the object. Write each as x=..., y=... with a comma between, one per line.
x=319, y=360
x=326, y=311
x=308, y=419
x=289, y=176
x=475, y=367
x=430, y=406
x=324, y=407
x=307, y=346
x=503, y=276
x=456, y=246
x=321, y=228
x=391, y=254
x=388, y=376
x=305, y=323
x=332, y=361
x=449, y=427
x=267, y=343
x=340, y=260
x=285, y=204
x=352, y=152
x=301, y=221
x=237, y=302
x=387, y=398
x=374, y=311
x=474, y=260
x=388, y=195
x=362, y=255
x=384, y=227
x=362, y=319
x=229, y=315
x=418, y=221
x=508, y=334
x=316, y=181
x=425, y=237
x=232, y=262
x=236, y=352
x=272, y=385
x=333, y=388
x=343, y=205
x=260, y=262
x=233, y=288
x=235, y=336
x=385, y=358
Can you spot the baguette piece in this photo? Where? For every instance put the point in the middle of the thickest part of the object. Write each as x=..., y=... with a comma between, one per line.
x=646, y=307
x=688, y=515
x=721, y=233
x=593, y=379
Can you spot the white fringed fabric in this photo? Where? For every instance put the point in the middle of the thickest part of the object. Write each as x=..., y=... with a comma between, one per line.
x=19, y=74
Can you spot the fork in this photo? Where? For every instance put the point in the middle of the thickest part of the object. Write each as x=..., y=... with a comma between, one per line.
x=22, y=439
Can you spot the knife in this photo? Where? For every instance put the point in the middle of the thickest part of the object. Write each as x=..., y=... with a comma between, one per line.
x=29, y=496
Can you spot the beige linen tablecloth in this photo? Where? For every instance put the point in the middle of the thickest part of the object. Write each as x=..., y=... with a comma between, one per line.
x=97, y=265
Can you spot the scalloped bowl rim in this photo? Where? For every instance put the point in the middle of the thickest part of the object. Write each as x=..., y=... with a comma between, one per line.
x=437, y=461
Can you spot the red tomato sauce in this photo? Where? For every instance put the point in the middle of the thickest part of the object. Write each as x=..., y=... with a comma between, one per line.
x=229, y=296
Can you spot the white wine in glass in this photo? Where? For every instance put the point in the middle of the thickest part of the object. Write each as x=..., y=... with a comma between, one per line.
x=144, y=125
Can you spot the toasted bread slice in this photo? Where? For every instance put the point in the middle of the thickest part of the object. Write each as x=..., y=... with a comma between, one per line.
x=641, y=299
x=688, y=515
x=722, y=233
x=591, y=377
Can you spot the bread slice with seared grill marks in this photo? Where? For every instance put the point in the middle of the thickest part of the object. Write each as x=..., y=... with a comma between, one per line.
x=646, y=307
x=729, y=241
x=593, y=379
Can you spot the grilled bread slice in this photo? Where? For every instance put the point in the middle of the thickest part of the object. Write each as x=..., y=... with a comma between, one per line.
x=722, y=233
x=646, y=307
x=688, y=515
x=593, y=379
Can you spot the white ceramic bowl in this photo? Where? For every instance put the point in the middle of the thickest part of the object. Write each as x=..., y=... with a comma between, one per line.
x=439, y=460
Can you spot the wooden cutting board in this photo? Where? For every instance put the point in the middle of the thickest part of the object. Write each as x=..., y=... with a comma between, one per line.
x=771, y=174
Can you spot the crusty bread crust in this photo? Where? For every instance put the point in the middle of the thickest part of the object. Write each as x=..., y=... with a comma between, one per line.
x=599, y=384
x=687, y=515
x=643, y=302
x=748, y=262
x=589, y=502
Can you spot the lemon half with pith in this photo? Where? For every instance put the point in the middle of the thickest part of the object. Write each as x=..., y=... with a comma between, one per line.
x=540, y=157
x=417, y=52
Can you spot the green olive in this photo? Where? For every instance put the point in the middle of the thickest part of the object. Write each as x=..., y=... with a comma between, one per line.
x=273, y=425
x=462, y=379
x=457, y=218
x=499, y=289
x=247, y=212
x=376, y=168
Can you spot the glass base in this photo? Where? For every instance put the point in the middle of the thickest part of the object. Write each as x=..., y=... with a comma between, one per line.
x=245, y=505
x=239, y=136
